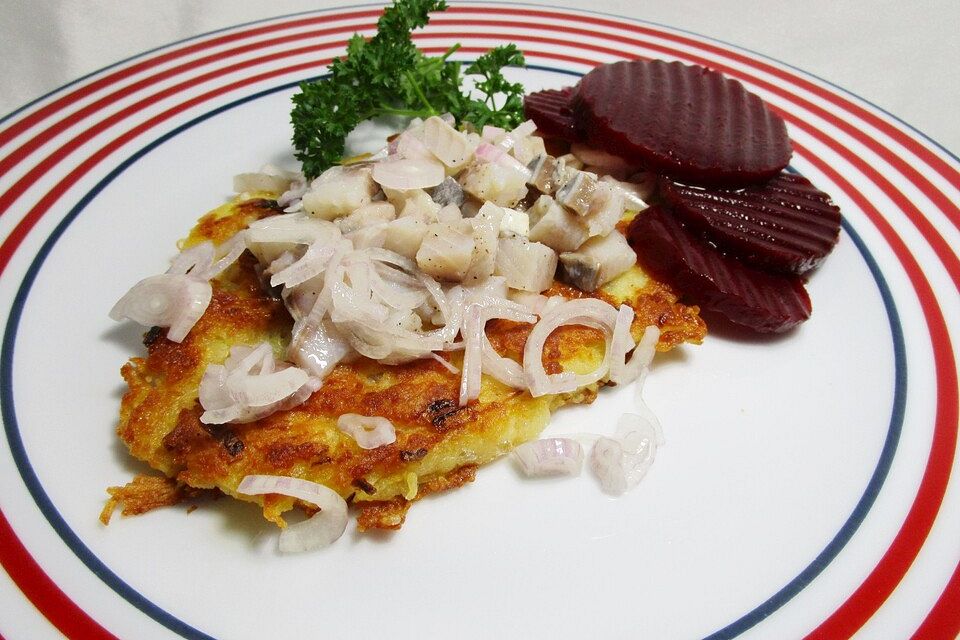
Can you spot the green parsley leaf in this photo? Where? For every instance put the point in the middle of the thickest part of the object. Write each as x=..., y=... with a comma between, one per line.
x=388, y=75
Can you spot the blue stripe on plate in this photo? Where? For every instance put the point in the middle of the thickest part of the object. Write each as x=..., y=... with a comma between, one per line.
x=169, y=621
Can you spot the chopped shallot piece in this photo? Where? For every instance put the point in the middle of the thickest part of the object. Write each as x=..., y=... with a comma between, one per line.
x=369, y=432
x=621, y=462
x=408, y=174
x=322, y=529
x=550, y=457
x=168, y=300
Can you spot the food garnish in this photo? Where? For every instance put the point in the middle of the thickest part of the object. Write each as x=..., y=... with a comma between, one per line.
x=388, y=76
x=731, y=230
x=785, y=224
x=369, y=331
x=765, y=302
x=685, y=121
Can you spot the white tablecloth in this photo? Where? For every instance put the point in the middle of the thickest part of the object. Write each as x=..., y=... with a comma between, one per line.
x=902, y=56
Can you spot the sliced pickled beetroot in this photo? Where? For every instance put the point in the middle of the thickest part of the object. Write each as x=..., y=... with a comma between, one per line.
x=762, y=301
x=785, y=224
x=552, y=112
x=684, y=121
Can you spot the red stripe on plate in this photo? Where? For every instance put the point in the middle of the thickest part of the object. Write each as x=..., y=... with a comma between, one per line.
x=31, y=177
x=78, y=94
x=930, y=158
x=894, y=159
x=7, y=249
x=943, y=621
x=34, y=143
x=53, y=603
x=888, y=573
x=943, y=250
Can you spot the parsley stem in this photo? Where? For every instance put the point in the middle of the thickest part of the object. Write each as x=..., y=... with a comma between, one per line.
x=450, y=52
x=419, y=92
x=390, y=111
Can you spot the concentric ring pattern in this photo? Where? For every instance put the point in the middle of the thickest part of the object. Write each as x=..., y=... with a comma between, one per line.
x=898, y=190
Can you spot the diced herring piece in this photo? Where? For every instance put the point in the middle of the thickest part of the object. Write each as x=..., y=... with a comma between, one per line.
x=368, y=237
x=598, y=261
x=606, y=209
x=514, y=222
x=527, y=148
x=543, y=173
x=449, y=213
x=635, y=194
x=420, y=205
x=405, y=235
x=367, y=215
x=339, y=191
x=578, y=192
x=494, y=182
x=556, y=226
x=451, y=147
x=528, y=266
x=448, y=192
x=446, y=252
x=484, y=228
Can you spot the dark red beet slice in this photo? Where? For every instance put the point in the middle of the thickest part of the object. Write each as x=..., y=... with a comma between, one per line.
x=551, y=110
x=762, y=301
x=684, y=121
x=785, y=224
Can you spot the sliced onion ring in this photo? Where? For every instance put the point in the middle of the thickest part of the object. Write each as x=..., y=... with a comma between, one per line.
x=583, y=311
x=550, y=456
x=623, y=371
x=322, y=529
x=370, y=432
x=408, y=174
x=620, y=463
x=167, y=300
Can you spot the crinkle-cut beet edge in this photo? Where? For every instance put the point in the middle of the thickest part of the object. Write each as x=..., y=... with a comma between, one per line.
x=785, y=225
x=764, y=302
x=551, y=110
x=661, y=114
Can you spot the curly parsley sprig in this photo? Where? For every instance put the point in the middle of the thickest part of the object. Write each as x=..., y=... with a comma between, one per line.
x=387, y=75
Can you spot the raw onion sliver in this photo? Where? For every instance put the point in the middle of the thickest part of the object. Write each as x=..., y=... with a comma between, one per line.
x=550, y=456
x=369, y=432
x=195, y=259
x=470, y=376
x=620, y=463
x=322, y=529
x=408, y=174
x=583, y=311
x=623, y=371
x=168, y=300
x=229, y=252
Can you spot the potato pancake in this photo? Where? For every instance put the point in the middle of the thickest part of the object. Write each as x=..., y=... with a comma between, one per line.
x=439, y=444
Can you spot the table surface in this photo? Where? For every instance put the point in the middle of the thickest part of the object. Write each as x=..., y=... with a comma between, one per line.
x=900, y=56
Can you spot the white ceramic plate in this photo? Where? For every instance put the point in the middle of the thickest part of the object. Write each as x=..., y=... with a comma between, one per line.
x=809, y=483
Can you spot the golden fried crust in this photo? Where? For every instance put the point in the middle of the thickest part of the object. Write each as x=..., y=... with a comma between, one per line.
x=436, y=439
x=145, y=493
